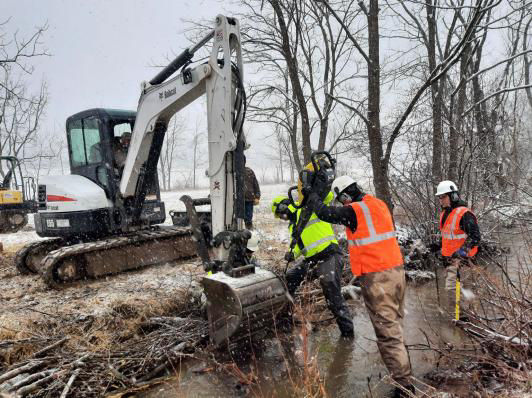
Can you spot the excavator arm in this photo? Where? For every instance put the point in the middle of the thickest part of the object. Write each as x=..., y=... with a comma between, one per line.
x=221, y=80
x=243, y=299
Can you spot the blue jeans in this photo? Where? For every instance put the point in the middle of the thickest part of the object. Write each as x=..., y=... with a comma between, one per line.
x=248, y=217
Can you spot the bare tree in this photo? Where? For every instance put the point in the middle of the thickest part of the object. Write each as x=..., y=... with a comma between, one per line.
x=305, y=58
x=380, y=158
x=285, y=13
x=21, y=111
x=169, y=156
x=197, y=159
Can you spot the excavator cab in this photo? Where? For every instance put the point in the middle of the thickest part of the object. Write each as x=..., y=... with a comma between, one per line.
x=98, y=150
x=17, y=194
x=87, y=203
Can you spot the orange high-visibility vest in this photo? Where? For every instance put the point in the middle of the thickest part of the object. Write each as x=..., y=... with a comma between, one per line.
x=452, y=236
x=373, y=246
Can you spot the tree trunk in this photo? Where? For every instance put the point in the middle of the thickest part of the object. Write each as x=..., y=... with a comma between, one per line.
x=380, y=169
x=436, y=96
x=291, y=64
x=194, y=162
x=293, y=139
x=456, y=119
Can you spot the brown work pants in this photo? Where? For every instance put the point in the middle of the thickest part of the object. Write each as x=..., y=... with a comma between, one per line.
x=384, y=294
x=452, y=265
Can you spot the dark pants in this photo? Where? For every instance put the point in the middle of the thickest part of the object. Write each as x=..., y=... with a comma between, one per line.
x=248, y=216
x=329, y=271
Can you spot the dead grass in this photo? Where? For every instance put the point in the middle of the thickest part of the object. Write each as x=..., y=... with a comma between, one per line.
x=122, y=345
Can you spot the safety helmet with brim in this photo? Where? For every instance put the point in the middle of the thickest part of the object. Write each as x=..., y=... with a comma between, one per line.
x=340, y=184
x=446, y=187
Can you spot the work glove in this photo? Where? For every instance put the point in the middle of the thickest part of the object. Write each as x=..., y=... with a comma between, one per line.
x=289, y=256
x=460, y=253
x=256, y=201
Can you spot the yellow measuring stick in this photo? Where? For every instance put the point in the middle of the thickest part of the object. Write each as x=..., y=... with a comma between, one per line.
x=457, y=298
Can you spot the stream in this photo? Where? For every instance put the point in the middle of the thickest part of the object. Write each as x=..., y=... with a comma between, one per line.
x=348, y=368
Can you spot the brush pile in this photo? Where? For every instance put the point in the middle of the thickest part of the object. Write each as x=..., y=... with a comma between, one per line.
x=498, y=322
x=88, y=356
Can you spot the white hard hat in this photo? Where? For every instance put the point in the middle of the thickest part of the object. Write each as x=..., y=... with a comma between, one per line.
x=446, y=187
x=341, y=183
x=253, y=242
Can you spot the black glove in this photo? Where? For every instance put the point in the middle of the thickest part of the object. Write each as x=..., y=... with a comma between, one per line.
x=283, y=207
x=289, y=257
x=455, y=255
x=462, y=252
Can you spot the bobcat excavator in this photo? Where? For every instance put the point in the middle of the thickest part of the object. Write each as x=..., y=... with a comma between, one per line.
x=103, y=218
x=16, y=195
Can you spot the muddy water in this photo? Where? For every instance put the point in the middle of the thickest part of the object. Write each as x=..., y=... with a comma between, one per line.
x=349, y=368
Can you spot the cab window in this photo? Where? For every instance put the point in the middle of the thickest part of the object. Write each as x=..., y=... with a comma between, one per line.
x=85, y=146
x=121, y=128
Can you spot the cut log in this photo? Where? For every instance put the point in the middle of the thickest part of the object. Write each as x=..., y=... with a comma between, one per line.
x=22, y=369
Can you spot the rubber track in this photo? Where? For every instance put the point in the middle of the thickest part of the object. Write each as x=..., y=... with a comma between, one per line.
x=22, y=254
x=53, y=260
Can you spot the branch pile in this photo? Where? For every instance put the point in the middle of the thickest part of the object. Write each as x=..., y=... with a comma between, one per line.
x=499, y=322
x=84, y=356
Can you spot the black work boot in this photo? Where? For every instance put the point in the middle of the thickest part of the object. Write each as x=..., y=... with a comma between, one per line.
x=345, y=324
x=348, y=334
x=249, y=225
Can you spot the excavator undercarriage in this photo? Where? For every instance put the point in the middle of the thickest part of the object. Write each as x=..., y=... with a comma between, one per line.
x=59, y=262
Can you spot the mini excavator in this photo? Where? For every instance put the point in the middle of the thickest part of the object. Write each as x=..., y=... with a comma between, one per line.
x=103, y=218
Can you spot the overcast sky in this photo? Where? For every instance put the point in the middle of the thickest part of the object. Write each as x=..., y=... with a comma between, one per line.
x=102, y=50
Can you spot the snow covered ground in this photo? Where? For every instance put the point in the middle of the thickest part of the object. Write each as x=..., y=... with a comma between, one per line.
x=26, y=298
x=12, y=242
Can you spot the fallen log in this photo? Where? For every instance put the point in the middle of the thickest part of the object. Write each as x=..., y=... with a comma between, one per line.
x=485, y=333
x=35, y=386
x=49, y=348
x=22, y=369
x=31, y=378
x=69, y=383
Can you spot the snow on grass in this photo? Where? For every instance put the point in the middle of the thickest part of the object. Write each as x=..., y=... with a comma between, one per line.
x=14, y=241
x=171, y=199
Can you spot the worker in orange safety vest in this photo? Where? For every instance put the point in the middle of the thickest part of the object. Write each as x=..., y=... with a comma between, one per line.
x=376, y=259
x=460, y=234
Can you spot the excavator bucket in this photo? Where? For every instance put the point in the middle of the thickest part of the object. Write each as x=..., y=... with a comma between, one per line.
x=239, y=307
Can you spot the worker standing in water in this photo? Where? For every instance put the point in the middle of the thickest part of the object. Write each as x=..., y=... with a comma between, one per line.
x=376, y=259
